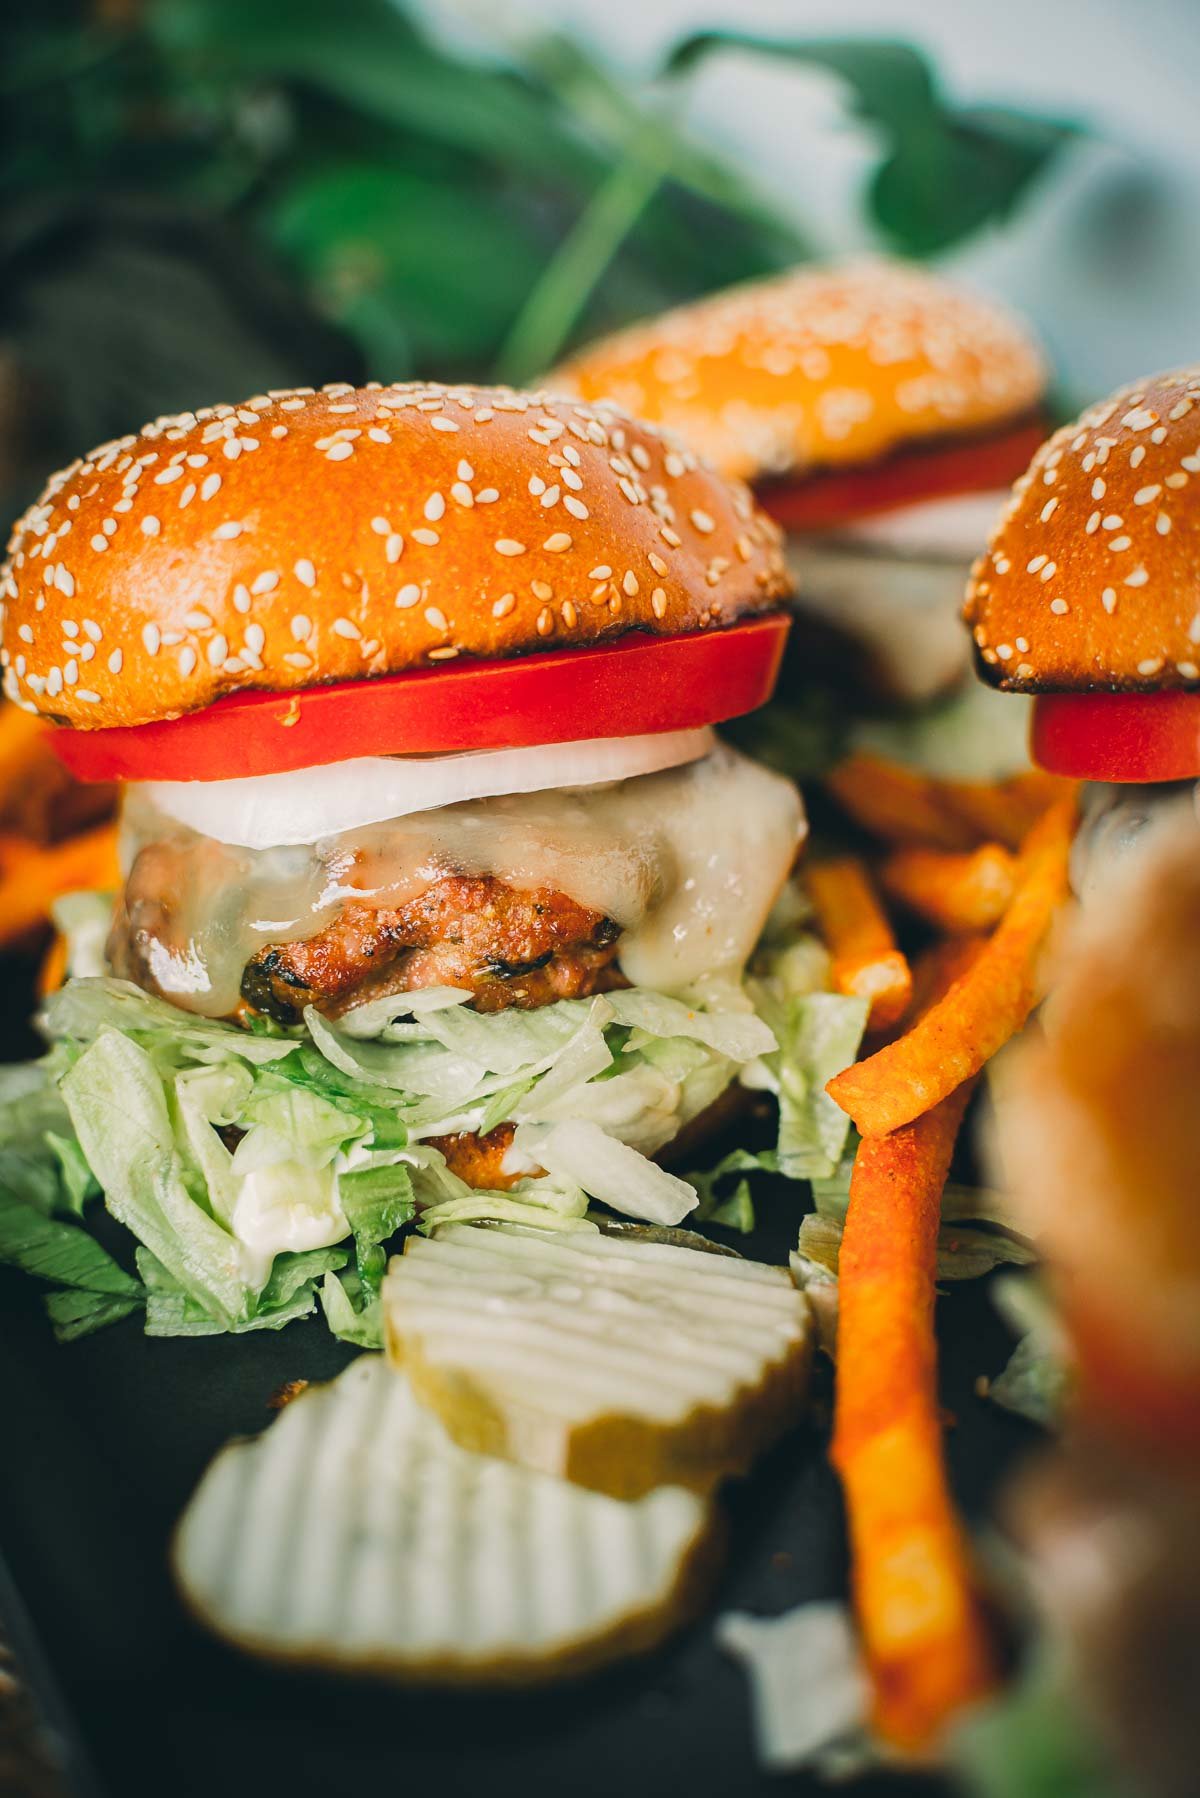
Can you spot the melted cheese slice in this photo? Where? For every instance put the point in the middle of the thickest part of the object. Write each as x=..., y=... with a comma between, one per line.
x=687, y=862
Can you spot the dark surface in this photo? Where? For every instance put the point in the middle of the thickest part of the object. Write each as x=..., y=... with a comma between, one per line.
x=104, y=1440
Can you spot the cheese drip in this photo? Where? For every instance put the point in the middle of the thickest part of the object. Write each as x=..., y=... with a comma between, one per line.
x=688, y=862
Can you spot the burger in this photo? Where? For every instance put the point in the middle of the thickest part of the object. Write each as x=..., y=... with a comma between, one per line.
x=438, y=887
x=881, y=416
x=1088, y=598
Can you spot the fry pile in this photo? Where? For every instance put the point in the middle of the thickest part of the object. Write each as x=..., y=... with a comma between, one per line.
x=51, y=838
x=986, y=865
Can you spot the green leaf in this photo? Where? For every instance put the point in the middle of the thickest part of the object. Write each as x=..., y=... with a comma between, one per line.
x=56, y=1251
x=78, y=1181
x=74, y=1313
x=946, y=171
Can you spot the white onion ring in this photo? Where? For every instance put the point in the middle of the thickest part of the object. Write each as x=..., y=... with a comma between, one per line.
x=267, y=811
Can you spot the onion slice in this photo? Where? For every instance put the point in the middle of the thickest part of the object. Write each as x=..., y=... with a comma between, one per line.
x=267, y=811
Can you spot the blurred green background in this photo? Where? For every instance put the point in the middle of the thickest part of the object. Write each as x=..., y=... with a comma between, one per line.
x=201, y=198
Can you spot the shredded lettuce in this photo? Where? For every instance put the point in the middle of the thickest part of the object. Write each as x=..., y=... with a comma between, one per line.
x=231, y=1154
x=976, y=1233
x=1037, y=1379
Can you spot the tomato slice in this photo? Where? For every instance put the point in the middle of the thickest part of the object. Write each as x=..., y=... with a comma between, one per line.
x=818, y=501
x=634, y=686
x=1118, y=736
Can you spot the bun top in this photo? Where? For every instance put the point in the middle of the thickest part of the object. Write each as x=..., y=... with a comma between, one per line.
x=310, y=537
x=1092, y=577
x=818, y=368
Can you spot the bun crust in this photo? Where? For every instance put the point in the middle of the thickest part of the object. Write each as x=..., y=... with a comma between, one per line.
x=1092, y=578
x=818, y=368
x=311, y=537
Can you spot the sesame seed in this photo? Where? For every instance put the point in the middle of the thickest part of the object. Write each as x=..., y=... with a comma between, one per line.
x=1036, y=562
x=25, y=632
x=115, y=660
x=550, y=497
x=1188, y=670
x=658, y=602
x=569, y=615
x=630, y=582
x=408, y=596
x=545, y=622
x=1099, y=488
x=1138, y=578
x=380, y=526
x=378, y=435
x=241, y=597
x=659, y=566
x=1093, y=524
x=1048, y=510
x=504, y=605
x=541, y=589
x=1144, y=495
x=442, y=423
x=64, y=581
x=602, y=572
x=1059, y=605
x=508, y=546
x=1108, y=599
x=86, y=693
x=345, y=627
x=462, y=493
x=266, y=582
x=435, y=506
x=150, y=525
x=1113, y=522
x=1162, y=524
x=218, y=649
x=304, y=572
x=1176, y=481
x=1004, y=651
x=187, y=659
x=1048, y=572
x=630, y=491
x=424, y=535
x=1137, y=455
x=165, y=476
x=575, y=507
x=210, y=485
x=487, y=495
x=1022, y=645
x=1150, y=665
x=188, y=495
x=301, y=626
x=557, y=542
x=337, y=452
x=71, y=671
x=224, y=532
x=151, y=637
x=197, y=621
x=256, y=638
x=436, y=618
x=1119, y=543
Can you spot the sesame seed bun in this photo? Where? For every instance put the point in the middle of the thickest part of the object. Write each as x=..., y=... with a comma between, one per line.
x=818, y=368
x=1092, y=577
x=310, y=537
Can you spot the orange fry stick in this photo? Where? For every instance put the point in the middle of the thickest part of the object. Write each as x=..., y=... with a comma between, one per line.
x=926, y=1645
x=904, y=806
x=983, y=1008
x=895, y=803
x=959, y=891
x=866, y=961
x=53, y=970
x=32, y=878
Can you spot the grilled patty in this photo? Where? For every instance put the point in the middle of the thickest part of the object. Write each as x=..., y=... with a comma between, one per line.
x=504, y=947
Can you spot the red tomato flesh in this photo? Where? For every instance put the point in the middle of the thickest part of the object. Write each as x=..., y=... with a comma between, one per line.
x=818, y=502
x=634, y=686
x=1118, y=736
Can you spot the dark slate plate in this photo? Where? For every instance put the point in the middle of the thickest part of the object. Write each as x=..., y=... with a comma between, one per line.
x=104, y=1440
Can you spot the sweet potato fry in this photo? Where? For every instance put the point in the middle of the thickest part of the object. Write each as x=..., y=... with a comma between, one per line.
x=982, y=1009
x=866, y=961
x=895, y=803
x=926, y=1645
x=904, y=806
x=31, y=878
x=958, y=890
